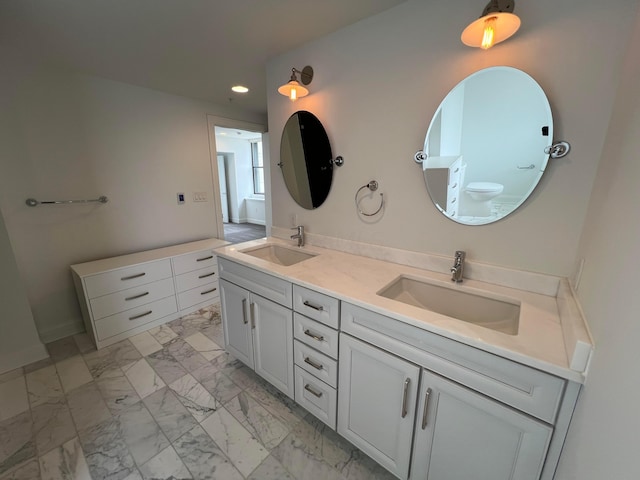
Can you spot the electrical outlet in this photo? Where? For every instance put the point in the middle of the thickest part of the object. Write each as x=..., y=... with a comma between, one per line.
x=180, y=198
x=294, y=219
x=200, y=196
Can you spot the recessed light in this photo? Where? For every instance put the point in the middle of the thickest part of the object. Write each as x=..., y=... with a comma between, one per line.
x=239, y=89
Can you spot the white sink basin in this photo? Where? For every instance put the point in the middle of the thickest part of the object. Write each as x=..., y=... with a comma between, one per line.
x=498, y=314
x=279, y=254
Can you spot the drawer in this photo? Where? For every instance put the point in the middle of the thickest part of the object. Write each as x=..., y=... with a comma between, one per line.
x=527, y=389
x=123, y=278
x=318, y=306
x=316, y=335
x=193, y=261
x=206, y=293
x=317, y=397
x=123, y=321
x=131, y=298
x=265, y=285
x=197, y=278
x=316, y=363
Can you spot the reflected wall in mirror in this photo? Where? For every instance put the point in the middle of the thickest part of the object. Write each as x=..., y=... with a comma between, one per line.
x=485, y=147
x=305, y=160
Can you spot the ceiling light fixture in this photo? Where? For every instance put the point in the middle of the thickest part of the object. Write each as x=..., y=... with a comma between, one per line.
x=293, y=89
x=239, y=89
x=496, y=24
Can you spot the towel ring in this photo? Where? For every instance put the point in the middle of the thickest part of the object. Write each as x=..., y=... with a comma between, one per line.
x=373, y=186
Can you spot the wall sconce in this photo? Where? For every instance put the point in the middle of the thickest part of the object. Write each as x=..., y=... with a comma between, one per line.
x=293, y=89
x=496, y=24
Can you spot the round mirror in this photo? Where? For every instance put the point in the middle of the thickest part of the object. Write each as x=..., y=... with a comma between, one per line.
x=305, y=160
x=485, y=147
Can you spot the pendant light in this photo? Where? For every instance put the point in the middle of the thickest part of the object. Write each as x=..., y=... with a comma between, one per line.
x=497, y=23
x=293, y=89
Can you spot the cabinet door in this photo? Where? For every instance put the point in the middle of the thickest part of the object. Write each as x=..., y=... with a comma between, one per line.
x=463, y=434
x=376, y=403
x=273, y=343
x=235, y=322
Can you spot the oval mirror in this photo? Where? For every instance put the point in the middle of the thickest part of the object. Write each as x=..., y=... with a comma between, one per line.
x=305, y=160
x=485, y=147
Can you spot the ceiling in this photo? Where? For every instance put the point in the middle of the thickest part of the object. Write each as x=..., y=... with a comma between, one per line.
x=194, y=48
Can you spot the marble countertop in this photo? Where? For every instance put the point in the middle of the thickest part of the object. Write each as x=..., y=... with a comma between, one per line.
x=540, y=342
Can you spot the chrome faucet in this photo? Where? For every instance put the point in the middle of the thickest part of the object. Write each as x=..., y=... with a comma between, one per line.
x=299, y=235
x=458, y=267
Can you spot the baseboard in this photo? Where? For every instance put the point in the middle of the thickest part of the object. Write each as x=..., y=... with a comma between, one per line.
x=61, y=331
x=256, y=221
x=12, y=360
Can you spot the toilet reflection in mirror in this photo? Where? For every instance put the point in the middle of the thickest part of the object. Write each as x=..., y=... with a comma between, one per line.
x=485, y=146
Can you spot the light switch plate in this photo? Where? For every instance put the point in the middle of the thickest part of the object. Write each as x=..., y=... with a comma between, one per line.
x=200, y=196
x=180, y=198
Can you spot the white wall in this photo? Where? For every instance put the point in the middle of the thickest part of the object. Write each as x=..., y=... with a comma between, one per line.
x=602, y=441
x=240, y=175
x=377, y=84
x=71, y=136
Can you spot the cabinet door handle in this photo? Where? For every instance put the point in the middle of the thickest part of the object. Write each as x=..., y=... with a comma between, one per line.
x=131, y=277
x=136, y=296
x=208, y=291
x=135, y=317
x=315, y=365
x=204, y=258
x=207, y=275
x=308, y=388
x=405, y=397
x=319, y=338
x=426, y=408
x=244, y=311
x=306, y=303
x=253, y=316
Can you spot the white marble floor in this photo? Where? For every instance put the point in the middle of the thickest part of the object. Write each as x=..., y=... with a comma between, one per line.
x=165, y=404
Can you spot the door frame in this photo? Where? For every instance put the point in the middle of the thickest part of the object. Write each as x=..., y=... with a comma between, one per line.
x=214, y=121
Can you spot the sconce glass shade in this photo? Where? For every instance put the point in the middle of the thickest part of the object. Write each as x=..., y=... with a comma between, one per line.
x=293, y=90
x=491, y=29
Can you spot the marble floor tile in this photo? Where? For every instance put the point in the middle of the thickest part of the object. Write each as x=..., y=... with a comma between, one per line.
x=32, y=367
x=17, y=443
x=244, y=377
x=204, y=346
x=116, y=391
x=141, y=433
x=244, y=451
x=281, y=406
x=145, y=343
x=194, y=397
x=217, y=383
x=11, y=374
x=65, y=462
x=107, y=453
x=143, y=378
x=203, y=457
x=163, y=334
x=52, y=425
x=186, y=354
x=214, y=332
x=26, y=471
x=43, y=385
x=87, y=406
x=270, y=469
x=166, y=366
x=264, y=426
x=100, y=363
x=165, y=466
x=62, y=349
x=84, y=343
x=13, y=398
x=172, y=417
x=189, y=324
x=124, y=353
x=73, y=373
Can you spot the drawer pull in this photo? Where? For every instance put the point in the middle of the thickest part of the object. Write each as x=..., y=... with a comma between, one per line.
x=136, y=296
x=252, y=307
x=315, y=365
x=319, y=338
x=426, y=408
x=208, y=291
x=306, y=303
x=207, y=275
x=135, y=317
x=204, y=258
x=131, y=277
x=308, y=388
x=244, y=311
x=405, y=397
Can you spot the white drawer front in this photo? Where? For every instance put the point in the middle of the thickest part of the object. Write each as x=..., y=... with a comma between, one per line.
x=316, y=335
x=123, y=278
x=316, y=396
x=121, y=322
x=316, y=363
x=197, y=278
x=205, y=293
x=265, y=285
x=131, y=298
x=318, y=306
x=193, y=261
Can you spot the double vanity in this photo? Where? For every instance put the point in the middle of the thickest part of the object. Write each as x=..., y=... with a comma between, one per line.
x=430, y=378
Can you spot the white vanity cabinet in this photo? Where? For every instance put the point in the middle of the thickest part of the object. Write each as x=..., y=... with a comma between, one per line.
x=258, y=322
